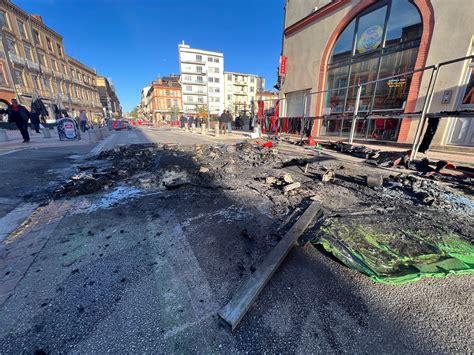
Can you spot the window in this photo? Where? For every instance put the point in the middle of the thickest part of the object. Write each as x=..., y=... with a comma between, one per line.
x=199, y=79
x=21, y=28
x=216, y=60
x=27, y=52
x=189, y=88
x=216, y=80
x=11, y=47
x=229, y=97
x=211, y=80
x=187, y=77
x=217, y=90
x=252, y=80
x=41, y=58
x=201, y=100
x=54, y=65
x=3, y=81
x=168, y=103
x=18, y=76
x=198, y=58
x=216, y=70
x=64, y=68
x=36, y=37
x=229, y=77
x=3, y=19
x=190, y=99
x=167, y=93
x=60, y=50
x=47, y=83
x=381, y=41
x=252, y=89
x=199, y=69
x=209, y=59
x=50, y=45
x=36, y=83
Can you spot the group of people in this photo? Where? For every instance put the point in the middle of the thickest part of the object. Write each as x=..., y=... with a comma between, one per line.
x=225, y=122
x=20, y=115
x=189, y=120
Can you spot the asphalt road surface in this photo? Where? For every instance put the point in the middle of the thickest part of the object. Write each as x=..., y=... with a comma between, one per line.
x=149, y=273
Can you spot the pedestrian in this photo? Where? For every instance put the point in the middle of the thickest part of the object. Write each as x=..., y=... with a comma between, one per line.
x=83, y=118
x=238, y=122
x=223, y=122
x=38, y=112
x=20, y=115
x=230, y=120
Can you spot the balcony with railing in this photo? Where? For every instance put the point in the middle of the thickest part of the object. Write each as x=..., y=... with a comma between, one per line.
x=192, y=61
x=193, y=82
x=17, y=59
x=192, y=72
x=32, y=65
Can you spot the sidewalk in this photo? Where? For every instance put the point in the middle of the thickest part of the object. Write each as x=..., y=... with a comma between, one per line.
x=15, y=141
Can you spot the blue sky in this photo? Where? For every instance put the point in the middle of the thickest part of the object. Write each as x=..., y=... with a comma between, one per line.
x=134, y=41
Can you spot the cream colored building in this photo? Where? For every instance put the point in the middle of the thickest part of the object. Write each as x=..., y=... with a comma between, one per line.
x=240, y=90
x=339, y=43
x=36, y=63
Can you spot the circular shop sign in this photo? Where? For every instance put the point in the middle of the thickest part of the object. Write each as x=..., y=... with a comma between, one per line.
x=370, y=39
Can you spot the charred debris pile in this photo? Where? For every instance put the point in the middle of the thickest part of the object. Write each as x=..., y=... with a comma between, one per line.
x=360, y=202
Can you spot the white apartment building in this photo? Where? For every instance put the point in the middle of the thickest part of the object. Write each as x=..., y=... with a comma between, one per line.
x=240, y=90
x=202, y=79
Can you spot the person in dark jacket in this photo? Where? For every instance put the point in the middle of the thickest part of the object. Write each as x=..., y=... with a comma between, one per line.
x=223, y=122
x=38, y=111
x=20, y=115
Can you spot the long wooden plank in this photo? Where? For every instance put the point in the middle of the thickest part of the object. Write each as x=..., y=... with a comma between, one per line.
x=234, y=311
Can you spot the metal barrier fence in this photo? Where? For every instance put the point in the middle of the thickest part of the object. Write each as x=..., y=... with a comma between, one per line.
x=367, y=122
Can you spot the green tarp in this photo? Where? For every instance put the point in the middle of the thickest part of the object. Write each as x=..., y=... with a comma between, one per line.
x=397, y=257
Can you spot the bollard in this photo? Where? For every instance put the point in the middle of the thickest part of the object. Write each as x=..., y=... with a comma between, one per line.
x=203, y=129
x=93, y=136
x=193, y=127
x=217, y=131
x=3, y=136
x=46, y=132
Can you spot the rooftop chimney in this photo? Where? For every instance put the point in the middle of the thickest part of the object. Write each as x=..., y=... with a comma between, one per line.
x=37, y=17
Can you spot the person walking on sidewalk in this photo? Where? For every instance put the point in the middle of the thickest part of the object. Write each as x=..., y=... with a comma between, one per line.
x=230, y=121
x=83, y=119
x=223, y=122
x=20, y=115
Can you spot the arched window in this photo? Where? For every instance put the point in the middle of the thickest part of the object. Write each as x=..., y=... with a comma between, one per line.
x=379, y=42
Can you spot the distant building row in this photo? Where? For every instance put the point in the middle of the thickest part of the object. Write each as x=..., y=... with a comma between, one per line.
x=203, y=87
x=33, y=62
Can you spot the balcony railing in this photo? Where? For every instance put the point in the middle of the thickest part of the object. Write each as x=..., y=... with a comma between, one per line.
x=16, y=59
x=195, y=61
x=32, y=65
x=193, y=72
x=194, y=82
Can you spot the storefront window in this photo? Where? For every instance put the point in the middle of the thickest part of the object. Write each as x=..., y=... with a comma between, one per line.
x=380, y=42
